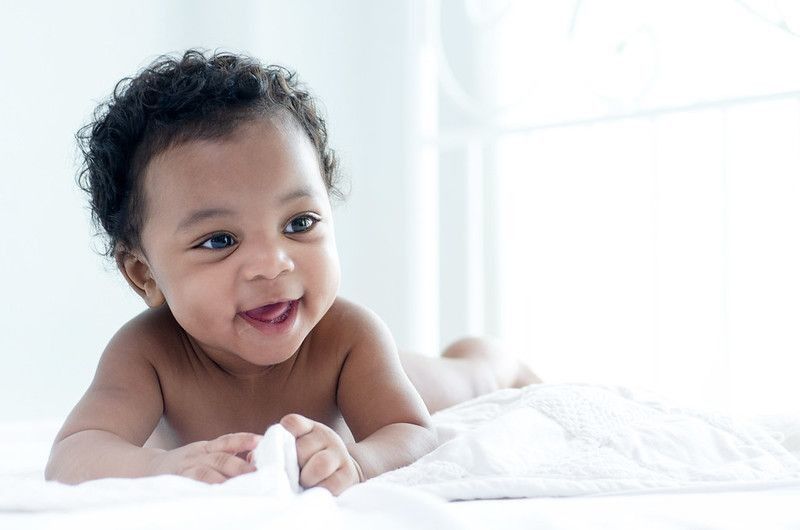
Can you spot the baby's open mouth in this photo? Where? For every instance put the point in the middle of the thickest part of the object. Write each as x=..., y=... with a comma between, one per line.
x=272, y=313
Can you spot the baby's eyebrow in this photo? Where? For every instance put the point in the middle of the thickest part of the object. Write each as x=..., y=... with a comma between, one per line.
x=201, y=215
x=296, y=194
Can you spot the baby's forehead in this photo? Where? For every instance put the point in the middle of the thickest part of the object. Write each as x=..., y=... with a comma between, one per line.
x=260, y=158
x=195, y=142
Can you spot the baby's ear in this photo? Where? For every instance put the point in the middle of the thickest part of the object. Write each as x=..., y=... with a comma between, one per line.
x=138, y=275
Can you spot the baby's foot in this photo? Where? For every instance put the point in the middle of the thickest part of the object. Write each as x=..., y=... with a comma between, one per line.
x=525, y=376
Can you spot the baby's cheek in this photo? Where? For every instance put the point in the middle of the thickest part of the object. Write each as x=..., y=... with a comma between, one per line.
x=335, y=268
x=199, y=310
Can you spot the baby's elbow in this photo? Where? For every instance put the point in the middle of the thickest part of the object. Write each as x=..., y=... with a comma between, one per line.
x=57, y=468
x=430, y=439
x=48, y=472
x=52, y=470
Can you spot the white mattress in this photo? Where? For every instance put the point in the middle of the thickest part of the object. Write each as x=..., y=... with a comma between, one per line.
x=753, y=482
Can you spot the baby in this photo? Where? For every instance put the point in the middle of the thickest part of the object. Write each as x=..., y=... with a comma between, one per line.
x=212, y=179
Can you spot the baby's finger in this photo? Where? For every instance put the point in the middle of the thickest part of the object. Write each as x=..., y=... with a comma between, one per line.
x=205, y=474
x=228, y=465
x=238, y=442
x=319, y=467
x=297, y=424
x=309, y=445
x=337, y=483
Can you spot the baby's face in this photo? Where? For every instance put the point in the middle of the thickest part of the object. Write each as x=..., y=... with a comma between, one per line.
x=238, y=224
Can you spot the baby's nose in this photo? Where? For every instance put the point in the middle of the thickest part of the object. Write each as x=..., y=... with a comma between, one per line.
x=268, y=261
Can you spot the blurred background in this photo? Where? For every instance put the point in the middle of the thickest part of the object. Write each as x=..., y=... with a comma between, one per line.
x=610, y=186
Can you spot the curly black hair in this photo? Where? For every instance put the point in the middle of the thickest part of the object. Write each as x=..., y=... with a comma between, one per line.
x=172, y=101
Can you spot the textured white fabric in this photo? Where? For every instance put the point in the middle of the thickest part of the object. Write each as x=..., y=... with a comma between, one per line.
x=269, y=497
x=277, y=476
x=276, y=460
x=543, y=440
x=564, y=440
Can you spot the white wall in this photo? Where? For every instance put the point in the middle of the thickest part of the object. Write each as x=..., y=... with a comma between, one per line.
x=58, y=59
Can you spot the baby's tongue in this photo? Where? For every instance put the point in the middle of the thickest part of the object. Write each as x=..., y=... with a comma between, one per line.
x=268, y=312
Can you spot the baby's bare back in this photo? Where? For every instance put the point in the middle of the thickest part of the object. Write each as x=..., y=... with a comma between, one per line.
x=202, y=401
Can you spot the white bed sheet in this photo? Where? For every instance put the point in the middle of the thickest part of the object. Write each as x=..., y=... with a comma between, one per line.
x=772, y=509
x=769, y=503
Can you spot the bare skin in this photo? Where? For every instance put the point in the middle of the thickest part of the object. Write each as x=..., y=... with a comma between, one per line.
x=188, y=386
x=467, y=368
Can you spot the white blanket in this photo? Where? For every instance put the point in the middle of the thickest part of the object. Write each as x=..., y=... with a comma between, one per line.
x=564, y=440
x=543, y=440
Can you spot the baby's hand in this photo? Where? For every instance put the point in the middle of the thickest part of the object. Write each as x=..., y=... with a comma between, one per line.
x=322, y=455
x=212, y=461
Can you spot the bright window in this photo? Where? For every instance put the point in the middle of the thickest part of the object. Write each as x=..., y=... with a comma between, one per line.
x=626, y=175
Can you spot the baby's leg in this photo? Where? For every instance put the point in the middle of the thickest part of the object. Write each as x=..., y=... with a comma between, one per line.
x=467, y=368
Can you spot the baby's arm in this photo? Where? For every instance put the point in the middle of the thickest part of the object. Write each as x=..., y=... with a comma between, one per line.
x=383, y=410
x=104, y=434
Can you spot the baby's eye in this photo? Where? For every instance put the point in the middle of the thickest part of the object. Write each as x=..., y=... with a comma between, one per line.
x=218, y=241
x=301, y=223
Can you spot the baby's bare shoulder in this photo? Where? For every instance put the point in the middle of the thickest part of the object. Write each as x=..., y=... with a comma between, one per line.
x=349, y=320
x=150, y=334
x=125, y=395
x=347, y=311
x=349, y=325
